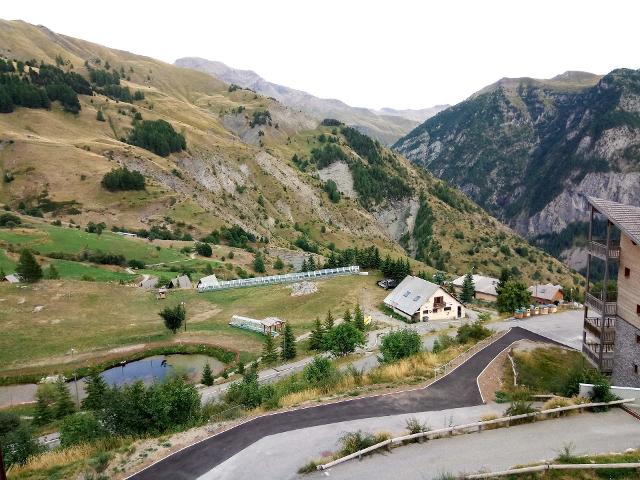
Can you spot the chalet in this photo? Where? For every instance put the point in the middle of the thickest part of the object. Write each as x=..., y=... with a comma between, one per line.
x=419, y=301
x=611, y=333
x=208, y=281
x=547, y=293
x=180, y=282
x=484, y=287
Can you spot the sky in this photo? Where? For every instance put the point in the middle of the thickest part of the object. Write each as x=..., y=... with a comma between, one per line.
x=399, y=54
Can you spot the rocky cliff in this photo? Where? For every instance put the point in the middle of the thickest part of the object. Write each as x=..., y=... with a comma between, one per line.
x=529, y=150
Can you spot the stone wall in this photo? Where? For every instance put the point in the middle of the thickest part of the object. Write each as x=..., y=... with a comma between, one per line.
x=627, y=354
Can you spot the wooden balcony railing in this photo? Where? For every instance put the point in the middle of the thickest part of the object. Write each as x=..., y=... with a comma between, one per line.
x=609, y=308
x=593, y=325
x=592, y=351
x=600, y=250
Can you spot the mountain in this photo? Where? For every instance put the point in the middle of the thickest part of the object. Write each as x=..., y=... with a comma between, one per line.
x=386, y=125
x=528, y=150
x=214, y=157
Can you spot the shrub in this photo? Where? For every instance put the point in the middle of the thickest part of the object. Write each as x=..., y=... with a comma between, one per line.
x=355, y=441
x=472, y=331
x=137, y=264
x=204, y=249
x=414, y=426
x=80, y=428
x=320, y=371
x=519, y=407
x=443, y=342
x=487, y=417
x=9, y=220
x=400, y=344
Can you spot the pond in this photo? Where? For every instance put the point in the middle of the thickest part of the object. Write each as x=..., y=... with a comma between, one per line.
x=158, y=367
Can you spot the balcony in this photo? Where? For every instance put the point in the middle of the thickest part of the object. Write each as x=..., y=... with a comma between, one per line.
x=598, y=249
x=594, y=324
x=608, y=308
x=592, y=352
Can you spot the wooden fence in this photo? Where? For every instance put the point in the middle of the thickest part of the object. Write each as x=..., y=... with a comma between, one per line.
x=545, y=467
x=468, y=428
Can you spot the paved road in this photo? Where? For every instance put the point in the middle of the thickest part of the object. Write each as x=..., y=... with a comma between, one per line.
x=458, y=389
x=493, y=450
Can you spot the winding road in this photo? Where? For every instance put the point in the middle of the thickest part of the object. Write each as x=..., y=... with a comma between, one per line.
x=457, y=389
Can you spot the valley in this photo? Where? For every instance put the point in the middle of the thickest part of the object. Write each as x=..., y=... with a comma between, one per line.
x=153, y=215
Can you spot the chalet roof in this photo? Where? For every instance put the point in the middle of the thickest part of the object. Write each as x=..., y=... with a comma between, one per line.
x=411, y=294
x=181, y=282
x=481, y=284
x=546, y=292
x=150, y=282
x=625, y=217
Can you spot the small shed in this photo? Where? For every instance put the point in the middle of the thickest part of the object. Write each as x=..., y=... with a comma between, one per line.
x=162, y=293
x=12, y=278
x=149, y=283
x=208, y=281
x=180, y=282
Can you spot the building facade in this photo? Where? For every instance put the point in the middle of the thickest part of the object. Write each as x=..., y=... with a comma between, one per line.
x=420, y=301
x=611, y=332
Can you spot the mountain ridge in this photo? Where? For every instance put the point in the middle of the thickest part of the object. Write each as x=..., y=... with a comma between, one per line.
x=386, y=124
x=528, y=150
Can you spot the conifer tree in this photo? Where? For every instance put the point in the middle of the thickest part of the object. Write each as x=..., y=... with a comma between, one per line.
x=52, y=272
x=95, y=388
x=269, y=353
x=207, y=375
x=328, y=322
x=28, y=267
x=316, y=339
x=288, y=348
x=303, y=267
x=347, y=316
x=64, y=404
x=43, y=413
x=468, y=289
x=311, y=264
x=358, y=319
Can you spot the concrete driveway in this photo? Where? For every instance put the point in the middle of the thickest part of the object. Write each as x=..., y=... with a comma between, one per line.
x=493, y=450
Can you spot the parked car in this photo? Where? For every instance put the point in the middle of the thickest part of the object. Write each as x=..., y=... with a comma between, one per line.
x=387, y=283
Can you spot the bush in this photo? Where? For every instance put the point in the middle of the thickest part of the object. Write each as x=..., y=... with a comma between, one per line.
x=519, y=407
x=400, y=344
x=79, y=428
x=9, y=220
x=356, y=441
x=204, y=249
x=137, y=264
x=472, y=331
x=415, y=426
x=121, y=179
x=320, y=371
x=443, y=342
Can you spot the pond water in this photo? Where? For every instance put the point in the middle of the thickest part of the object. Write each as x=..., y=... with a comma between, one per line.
x=158, y=367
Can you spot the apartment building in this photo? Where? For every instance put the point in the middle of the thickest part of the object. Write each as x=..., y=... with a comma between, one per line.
x=611, y=333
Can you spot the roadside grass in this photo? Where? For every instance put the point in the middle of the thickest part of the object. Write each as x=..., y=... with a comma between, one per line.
x=94, y=318
x=546, y=370
x=566, y=457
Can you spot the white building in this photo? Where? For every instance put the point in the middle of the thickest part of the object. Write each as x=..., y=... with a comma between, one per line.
x=208, y=281
x=484, y=287
x=421, y=301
